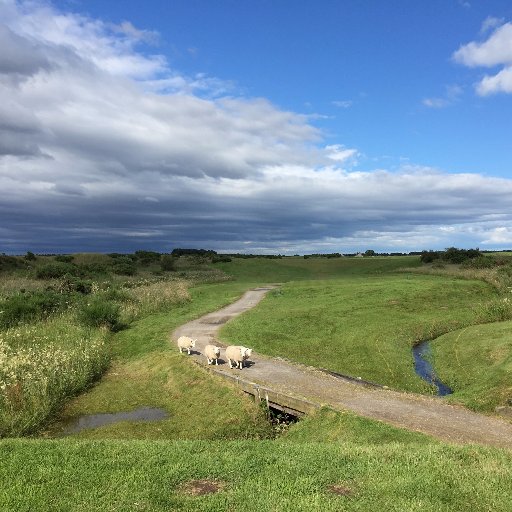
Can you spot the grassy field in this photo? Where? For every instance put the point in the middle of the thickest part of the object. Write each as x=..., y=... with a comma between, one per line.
x=362, y=323
x=362, y=312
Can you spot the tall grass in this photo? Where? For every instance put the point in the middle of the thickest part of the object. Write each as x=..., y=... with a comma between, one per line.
x=42, y=364
x=153, y=297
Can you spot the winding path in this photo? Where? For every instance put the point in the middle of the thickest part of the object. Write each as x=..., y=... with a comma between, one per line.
x=420, y=413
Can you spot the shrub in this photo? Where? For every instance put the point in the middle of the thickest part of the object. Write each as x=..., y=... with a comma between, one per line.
x=168, y=263
x=64, y=258
x=147, y=257
x=480, y=262
x=221, y=258
x=429, y=256
x=124, y=266
x=30, y=256
x=99, y=312
x=56, y=270
x=28, y=307
x=10, y=262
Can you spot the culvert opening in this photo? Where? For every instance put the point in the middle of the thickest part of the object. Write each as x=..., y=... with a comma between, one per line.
x=280, y=420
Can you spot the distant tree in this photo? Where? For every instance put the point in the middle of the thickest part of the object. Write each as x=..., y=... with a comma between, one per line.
x=369, y=252
x=147, y=257
x=429, y=256
x=168, y=263
x=30, y=256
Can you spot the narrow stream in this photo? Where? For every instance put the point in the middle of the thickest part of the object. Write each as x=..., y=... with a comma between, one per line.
x=423, y=368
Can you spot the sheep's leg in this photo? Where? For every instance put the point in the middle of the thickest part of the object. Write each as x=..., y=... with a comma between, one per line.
x=217, y=362
x=188, y=350
x=180, y=350
x=230, y=365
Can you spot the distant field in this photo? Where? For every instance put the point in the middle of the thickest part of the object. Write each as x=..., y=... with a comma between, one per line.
x=262, y=270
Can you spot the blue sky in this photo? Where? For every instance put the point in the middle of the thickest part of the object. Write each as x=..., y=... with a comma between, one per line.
x=256, y=126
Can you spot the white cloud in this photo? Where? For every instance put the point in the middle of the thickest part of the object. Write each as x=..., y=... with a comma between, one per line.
x=97, y=153
x=495, y=51
x=499, y=236
x=340, y=153
x=491, y=22
x=342, y=103
x=451, y=95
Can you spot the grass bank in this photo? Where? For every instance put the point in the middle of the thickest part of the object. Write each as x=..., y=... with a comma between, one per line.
x=251, y=476
x=476, y=362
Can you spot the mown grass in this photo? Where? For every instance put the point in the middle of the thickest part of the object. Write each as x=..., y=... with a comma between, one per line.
x=254, y=476
x=360, y=326
x=476, y=362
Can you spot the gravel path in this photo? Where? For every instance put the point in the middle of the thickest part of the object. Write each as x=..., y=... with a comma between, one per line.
x=420, y=413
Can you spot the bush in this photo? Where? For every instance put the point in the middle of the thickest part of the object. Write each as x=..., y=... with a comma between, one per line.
x=64, y=258
x=147, y=257
x=429, y=256
x=124, y=266
x=480, y=262
x=28, y=307
x=10, y=262
x=56, y=270
x=99, y=312
x=168, y=263
x=221, y=258
x=30, y=256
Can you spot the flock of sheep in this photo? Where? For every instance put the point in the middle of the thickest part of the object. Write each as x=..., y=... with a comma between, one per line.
x=235, y=354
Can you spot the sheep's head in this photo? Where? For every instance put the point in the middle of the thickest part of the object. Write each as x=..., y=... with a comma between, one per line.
x=193, y=343
x=216, y=351
x=246, y=352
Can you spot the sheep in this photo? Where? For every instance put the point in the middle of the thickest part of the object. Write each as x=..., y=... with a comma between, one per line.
x=212, y=353
x=238, y=355
x=184, y=342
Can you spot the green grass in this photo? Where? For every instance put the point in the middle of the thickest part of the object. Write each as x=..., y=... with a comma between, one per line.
x=148, y=371
x=329, y=426
x=476, y=362
x=262, y=270
x=362, y=326
x=257, y=476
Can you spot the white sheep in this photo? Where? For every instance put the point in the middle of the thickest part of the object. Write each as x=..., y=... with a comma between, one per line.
x=212, y=353
x=184, y=342
x=238, y=354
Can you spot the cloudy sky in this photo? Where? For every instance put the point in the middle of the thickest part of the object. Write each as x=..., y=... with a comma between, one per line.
x=258, y=126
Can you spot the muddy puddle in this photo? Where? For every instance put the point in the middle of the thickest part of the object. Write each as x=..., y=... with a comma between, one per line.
x=89, y=421
x=423, y=368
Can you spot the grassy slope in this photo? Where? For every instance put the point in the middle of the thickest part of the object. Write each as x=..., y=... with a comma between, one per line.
x=476, y=363
x=362, y=322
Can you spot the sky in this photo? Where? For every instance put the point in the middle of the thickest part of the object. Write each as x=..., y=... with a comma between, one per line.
x=255, y=126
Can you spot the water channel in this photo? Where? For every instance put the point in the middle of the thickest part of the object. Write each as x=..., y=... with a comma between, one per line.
x=423, y=367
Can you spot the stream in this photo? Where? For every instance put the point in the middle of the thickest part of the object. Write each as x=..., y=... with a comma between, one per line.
x=423, y=368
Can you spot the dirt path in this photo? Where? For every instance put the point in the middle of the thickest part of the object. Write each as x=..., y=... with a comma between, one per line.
x=429, y=415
